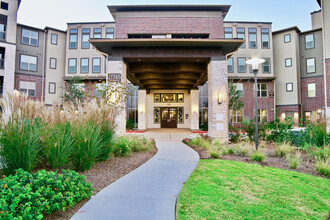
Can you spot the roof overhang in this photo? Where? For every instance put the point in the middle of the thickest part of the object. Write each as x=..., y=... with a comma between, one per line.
x=107, y=45
x=157, y=8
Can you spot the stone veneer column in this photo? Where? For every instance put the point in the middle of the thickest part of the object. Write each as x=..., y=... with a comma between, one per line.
x=218, y=113
x=142, y=109
x=117, y=66
x=194, y=112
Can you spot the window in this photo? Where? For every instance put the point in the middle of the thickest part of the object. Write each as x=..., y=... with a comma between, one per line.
x=203, y=106
x=52, y=63
x=72, y=65
x=289, y=87
x=262, y=115
x=27, y=87
x=54, y=39
x=308, y=117
x=311, y=90
x=262, y=90
x=28, y=63
x=2, y=58
x=52, y=88
x=158, y=36
x=97, y=33
x=288, y=62
x=287, y=38
x=266, y=66
x=180, y=115
x=265, y=37
x=3, y=28
x=84, y=63
x=309, y=41
x=100, y=90
x=241, y=35
x=241, y=65
x=96, y=65
x=239, y=88
x=29, y=37
x=156, y=115
x=132, y=105
x=109, y=33
x=73, y=38
x=4, y=6
x=228, y=32
x=310, y=64
x=85, y=38
x=79, y=86
x=230, y=65
x=236, y=116
x=253, y=37
x=168, y=97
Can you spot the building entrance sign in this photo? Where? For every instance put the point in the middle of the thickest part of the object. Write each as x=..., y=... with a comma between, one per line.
x=114, y=77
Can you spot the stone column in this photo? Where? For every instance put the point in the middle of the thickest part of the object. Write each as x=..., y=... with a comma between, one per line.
x=117, y=67
x=142, y=109
x=218, y=113
x=194, y=112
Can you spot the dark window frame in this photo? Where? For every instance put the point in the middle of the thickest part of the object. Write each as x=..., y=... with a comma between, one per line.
x=290, y=62
x=270, y=66
x=262, y=34
x=238, y=69
x=109, y=32
x=51, y=39
x=306, y=41
x=84, y=58
x=241, y=32
x=256, y=33
x=82, y=38
x=54, y=88
x=27, y=92
x=314, y=90
x=50, y=63
x=20, y=61
x=32, y=45
x=96, y=58
x=310, y=58
x=228, y=32
x=232, y=60
x=286, y=87
x=73, y=34
x=289, y=38
x=4, y=5
x=69, y=65
x=260, y=91
x=94, y=32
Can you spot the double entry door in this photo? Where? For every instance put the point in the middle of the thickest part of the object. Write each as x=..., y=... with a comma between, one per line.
x=169, y=117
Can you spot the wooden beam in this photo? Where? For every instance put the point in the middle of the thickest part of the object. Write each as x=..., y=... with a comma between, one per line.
x=169, y=86
x=159, y=81
x=167, y=67
x=167, y=76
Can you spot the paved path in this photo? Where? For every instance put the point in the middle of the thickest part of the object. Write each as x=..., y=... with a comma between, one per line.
x=148, y=192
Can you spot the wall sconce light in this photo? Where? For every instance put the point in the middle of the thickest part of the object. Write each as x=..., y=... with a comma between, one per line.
x=220, y=98
x=319, y=111
x=141, y=109
x=195, y=109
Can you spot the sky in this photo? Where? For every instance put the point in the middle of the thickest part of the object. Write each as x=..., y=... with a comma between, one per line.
x=56, y=13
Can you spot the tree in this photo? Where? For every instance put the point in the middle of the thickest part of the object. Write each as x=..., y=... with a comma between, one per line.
x=235, y=102
x=74, y=92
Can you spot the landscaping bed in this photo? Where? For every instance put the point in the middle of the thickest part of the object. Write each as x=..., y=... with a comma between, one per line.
x=104, y=173
x=220, y=189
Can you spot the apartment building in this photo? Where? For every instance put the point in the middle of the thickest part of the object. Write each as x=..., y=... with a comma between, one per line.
x=258, y=43
x=8, y=15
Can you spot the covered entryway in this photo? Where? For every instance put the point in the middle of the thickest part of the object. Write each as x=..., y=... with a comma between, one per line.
x=169, y=117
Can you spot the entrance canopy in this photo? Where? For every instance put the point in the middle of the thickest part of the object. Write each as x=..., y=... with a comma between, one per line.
x=167, y=63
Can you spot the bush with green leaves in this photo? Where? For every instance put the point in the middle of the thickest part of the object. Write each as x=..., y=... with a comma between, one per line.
x=282, y=150
x=107, y=135
x=87, y=146
x=20, y=145
x=30, y=196
x=58, y=144
x=243, y=149
x=258, y=156
x=323, y=167
x=280, y=130
x=294, y=160
x=122, y=147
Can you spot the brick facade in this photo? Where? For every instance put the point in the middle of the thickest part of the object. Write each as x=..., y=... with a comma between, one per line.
x=30, y=78
x=288, y=108
x=169, y=25
x=314, y=103
x=263, y=103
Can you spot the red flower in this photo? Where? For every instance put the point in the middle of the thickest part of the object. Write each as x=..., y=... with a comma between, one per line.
x=4, y=186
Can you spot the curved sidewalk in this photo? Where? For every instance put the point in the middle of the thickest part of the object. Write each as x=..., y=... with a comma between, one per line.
x=150, y=191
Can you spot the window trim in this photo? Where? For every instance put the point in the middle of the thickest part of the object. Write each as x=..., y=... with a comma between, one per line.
x=270, y=66
x=70, y=34
x=27, y=92
x=97, y=33
x=5, y=3
x=308, y=90
x=256, y=33
x=51, y=38
x=232, y=58
x=82, y=38
x=286, y=87
x=50, y=63
x=290, y=62
x=264, y=33
x=241, y=32
x=238, y=64
x=235, y=116
x=260, y=91
x=69, y=65
x=54, y=88
x=307, y=65
x=29, y=38
x=81, y=65
x=228, y=32
x=261, y=115
x=20, y=61
x=96, y=58
x=306, y=41
x=289, y=38
x=108, y=32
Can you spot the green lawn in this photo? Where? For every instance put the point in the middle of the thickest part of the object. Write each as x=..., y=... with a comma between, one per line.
x=220, y=189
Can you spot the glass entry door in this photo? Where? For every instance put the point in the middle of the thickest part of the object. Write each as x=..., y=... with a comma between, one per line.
x=169, y=117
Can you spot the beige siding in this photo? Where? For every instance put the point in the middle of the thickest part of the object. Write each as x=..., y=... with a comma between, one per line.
x=326, y=26
x=316, y=19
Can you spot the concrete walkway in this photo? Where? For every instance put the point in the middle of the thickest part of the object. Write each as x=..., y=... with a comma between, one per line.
x=149, y=192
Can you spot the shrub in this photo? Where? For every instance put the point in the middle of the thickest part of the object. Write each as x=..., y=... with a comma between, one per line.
x=230, y=150
x=87, y=146
x=248, y=127
x=29, y=196
x=283, y=150
x=106, y=134
x=321, y=153
x=258, y=156
x=280, y=131
x=121, y=147
x=204, y=126
x=294, y=160
x=58, y=144
x=234, y=137
x=130, y=124
x=20, y=146
x=215, y=154
x=187, y=141
x=323, y=167
x=242, y=150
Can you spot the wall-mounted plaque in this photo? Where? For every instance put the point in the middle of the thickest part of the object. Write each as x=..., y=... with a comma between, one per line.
x=114, y=77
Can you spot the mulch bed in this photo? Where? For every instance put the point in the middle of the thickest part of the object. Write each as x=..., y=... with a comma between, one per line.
x=306, y=167
x=104, y=173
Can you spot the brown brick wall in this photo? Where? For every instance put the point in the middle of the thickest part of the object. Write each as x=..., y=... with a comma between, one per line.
x=312, y=104
x=169, y=25
x=30, y=78
x=288, y=108
x=327, y=72
x=263, y=103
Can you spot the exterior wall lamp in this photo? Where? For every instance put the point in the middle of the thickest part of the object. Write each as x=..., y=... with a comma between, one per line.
x=255, y=62
x=141, y=109
x=195, y=109
x=220, y=98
